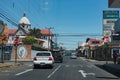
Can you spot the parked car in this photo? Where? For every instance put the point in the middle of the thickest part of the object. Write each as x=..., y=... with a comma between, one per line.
x=73, y=56
x=58, y=57
x=43, y=58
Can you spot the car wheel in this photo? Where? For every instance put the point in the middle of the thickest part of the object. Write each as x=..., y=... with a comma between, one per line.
x=61, y=61
x=51, y=66
x=34, y=66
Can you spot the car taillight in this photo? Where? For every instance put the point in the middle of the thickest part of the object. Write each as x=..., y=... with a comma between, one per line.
x=50, y=58
x=35, y=59
x=60, y=54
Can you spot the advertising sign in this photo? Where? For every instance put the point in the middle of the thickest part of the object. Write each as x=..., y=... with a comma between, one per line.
x=107, y=27
x=110, y=14
x=114, y=3
x=107, y=33
x=109, y=19
x=106, y=39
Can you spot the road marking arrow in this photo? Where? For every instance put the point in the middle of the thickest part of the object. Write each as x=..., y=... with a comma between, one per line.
x=85, y=74
x=82, y=72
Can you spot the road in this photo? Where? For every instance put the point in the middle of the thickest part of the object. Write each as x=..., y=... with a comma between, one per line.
x=70, y=69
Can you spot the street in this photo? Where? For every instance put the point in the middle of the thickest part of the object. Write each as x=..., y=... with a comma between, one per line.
x=70, y=69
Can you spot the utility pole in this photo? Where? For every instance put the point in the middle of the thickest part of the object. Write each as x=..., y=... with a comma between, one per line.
x=56, y=44
x=49, y=43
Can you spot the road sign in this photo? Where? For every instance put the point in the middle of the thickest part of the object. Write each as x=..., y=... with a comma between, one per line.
x=16, y=41
x=106, y=39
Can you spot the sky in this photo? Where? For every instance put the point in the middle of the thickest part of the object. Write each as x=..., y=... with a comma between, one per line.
x=66, y=17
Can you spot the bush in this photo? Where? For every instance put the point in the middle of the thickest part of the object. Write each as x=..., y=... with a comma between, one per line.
x=29, y=40
x=118, y=60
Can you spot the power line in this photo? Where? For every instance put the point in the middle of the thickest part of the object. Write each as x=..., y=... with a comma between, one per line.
x=76, y=35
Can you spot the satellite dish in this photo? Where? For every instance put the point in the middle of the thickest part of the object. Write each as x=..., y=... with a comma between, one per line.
x=1, y=28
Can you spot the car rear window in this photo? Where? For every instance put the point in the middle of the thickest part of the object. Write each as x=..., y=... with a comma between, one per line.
x=56, y=52
x=43, y=54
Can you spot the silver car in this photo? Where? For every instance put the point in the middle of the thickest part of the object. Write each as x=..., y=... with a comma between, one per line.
x=43, y=58
x=73, y=56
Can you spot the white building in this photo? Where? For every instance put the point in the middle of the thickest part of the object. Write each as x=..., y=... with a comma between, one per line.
x=23, y=30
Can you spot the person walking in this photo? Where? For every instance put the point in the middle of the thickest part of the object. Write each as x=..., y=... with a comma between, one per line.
x=115, y=55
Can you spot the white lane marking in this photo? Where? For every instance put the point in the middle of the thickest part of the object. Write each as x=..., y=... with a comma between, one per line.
x=90, y=66
x=5, y=71
x=67, y=65
x=54, y=71
x=82, y=72
x=81, y=65
x=30, y=65
x=24, y=72
x=93, y=74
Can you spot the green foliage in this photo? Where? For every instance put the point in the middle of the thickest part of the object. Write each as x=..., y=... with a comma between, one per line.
x=29, y=40
x=118, y=60
x=35, y=32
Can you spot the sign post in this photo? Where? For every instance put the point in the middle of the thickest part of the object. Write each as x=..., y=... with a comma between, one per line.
x=106, y=41
x=16, y=41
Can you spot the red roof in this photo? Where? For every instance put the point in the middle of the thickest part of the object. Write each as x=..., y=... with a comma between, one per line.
x=94, y=40
x=46, y=31
x=12, y=31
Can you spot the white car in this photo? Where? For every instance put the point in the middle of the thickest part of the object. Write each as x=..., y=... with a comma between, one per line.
x=43, y=58
x=73, y=56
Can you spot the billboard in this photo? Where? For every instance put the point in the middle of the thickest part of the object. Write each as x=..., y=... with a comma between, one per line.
x=107, y=33
x=107, y=27
x=114, y=3
x=110, y=14
x=109, y=19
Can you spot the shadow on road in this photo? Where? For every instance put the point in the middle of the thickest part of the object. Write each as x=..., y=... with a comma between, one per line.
x=112, y=71
x=107, y=78
x=45, y=67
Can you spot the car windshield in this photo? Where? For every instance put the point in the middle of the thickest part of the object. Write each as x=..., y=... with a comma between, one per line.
x=43, y=54
x=59, y=39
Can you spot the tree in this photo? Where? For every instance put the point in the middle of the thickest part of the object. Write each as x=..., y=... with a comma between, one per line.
x=35, y=32
x=29, y=40
x=87, y=40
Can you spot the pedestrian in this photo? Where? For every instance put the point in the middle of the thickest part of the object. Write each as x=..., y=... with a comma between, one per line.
x=115, y=55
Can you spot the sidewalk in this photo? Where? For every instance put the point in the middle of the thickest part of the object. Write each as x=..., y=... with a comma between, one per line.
x=8, y=65
x=96, y=61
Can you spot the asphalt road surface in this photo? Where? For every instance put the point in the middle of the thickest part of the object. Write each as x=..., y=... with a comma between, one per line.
x=70, y=69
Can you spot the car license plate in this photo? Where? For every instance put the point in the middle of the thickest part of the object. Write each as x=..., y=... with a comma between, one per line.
x=42, y=63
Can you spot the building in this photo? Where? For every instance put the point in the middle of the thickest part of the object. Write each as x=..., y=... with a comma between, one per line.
x=23, y=29
x=45, y=39
x=90, y=46
x=117, y=26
